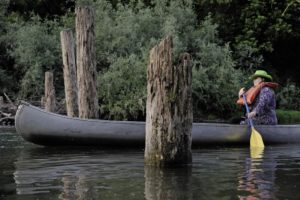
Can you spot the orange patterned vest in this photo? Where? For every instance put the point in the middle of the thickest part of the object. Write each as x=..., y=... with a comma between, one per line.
x=254, y=91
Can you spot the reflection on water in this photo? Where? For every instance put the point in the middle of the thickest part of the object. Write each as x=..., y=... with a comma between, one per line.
x=32, y=172
x=170, y=183
x=79, y=173
x=256, y=152
x=257, y=180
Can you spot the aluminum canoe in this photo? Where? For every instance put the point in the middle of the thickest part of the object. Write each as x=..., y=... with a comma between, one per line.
x=44, y=128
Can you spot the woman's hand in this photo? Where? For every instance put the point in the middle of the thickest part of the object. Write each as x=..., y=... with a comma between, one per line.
x=241, y=92
x=251, y=114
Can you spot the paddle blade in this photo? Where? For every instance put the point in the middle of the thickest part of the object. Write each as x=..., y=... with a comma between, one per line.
x=256, y=152
x=256, y=139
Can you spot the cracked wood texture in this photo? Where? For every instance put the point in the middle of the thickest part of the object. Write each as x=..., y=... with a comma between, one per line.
x=69, y=69
x=169, y=107
x=86, y=63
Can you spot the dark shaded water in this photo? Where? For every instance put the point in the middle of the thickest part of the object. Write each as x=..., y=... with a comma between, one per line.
x=32, y=172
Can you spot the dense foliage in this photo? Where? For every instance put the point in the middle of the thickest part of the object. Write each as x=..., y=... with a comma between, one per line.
x=261, y=33
x=288, y=97
x=35, y=49
x=288, y=116
x=129, y=31
x=228, y=40
x=5, y=72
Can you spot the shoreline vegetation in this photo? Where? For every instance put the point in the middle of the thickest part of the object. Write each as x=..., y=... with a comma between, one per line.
x=224, y=49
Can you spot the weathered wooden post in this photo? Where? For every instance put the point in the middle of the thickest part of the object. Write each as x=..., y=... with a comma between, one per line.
x=169, y=108
x=49, y=92
x=86, y=63
x=70, y=77
x=43, y=101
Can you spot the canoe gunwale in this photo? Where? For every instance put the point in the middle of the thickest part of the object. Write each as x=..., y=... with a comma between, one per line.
x=20, y=108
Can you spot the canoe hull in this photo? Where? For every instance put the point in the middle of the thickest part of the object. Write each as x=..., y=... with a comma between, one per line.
x=45, y=128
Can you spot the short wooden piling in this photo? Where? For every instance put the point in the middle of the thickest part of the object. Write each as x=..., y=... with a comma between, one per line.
x=70, y=77
x=49, y=92
x=86, y=63
x=169, y=108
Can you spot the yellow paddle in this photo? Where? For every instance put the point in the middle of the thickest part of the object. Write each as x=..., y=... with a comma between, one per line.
x=255, y=139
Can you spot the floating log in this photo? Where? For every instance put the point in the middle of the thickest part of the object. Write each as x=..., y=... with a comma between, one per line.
x=86, y=63
x=169, y=108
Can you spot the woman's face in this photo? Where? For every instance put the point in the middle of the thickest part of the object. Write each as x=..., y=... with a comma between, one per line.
x=257, y=81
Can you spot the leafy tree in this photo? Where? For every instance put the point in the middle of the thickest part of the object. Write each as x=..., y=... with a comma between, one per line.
x=6, y=74
x=122, y=89
x=288, y=97
x=261, y=33
x=36, y=49
x=44, y=8
x=125, y=35
x=215, y=79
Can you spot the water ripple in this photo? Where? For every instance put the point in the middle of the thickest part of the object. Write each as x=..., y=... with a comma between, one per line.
x=33, y=172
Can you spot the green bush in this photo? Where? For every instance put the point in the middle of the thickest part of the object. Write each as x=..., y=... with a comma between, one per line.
x=7, y=83
x=122, y=89
x=35, y=49
x=5, y=80
x=288, y=97
x=215, y=80
x=288, y=117
x=125, y=35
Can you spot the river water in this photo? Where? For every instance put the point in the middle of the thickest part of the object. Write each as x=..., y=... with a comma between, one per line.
x=29, y=171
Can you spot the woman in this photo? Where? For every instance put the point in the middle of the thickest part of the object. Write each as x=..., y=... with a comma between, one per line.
x=261, y=99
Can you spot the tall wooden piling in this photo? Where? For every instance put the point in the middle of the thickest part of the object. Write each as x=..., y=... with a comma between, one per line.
x=169, y=107
x=70, y=77
x=86, y=63
x=49, y=92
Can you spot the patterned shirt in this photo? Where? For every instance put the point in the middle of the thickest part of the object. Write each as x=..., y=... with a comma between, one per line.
x=264, y=106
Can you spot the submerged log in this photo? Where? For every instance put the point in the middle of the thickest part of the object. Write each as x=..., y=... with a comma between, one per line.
x=49, y=92
x=70, y=79
x=169, y=108
x=86, y=63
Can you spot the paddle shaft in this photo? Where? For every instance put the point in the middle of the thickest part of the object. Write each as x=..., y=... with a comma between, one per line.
x=248, y=111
